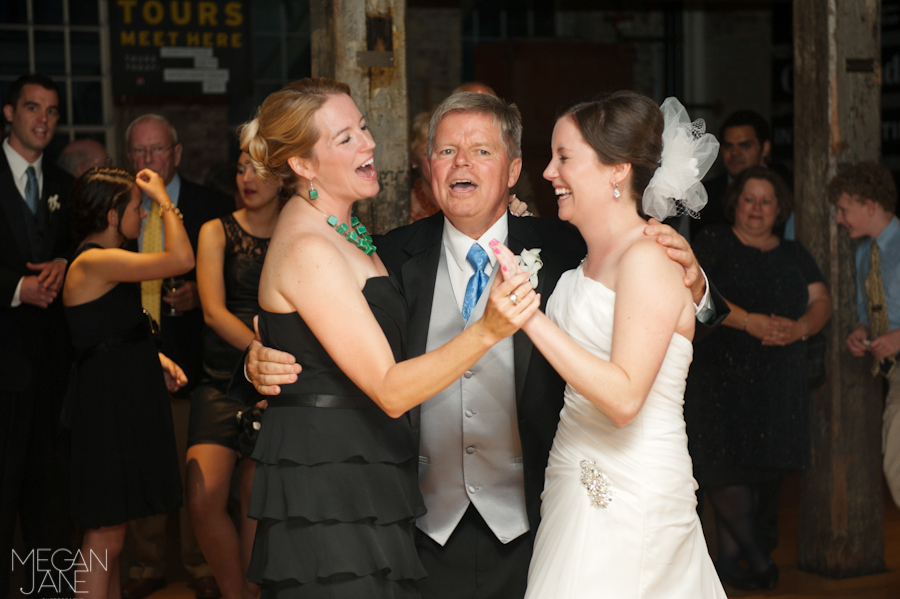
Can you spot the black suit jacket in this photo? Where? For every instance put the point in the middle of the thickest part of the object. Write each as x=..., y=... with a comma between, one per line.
x=31, y=334
x=180, y=336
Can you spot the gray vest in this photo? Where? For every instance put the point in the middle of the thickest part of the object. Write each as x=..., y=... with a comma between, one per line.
x=470, y=450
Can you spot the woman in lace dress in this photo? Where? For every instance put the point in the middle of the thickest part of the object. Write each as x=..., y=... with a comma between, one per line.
x=230, y=255
x=618, y=509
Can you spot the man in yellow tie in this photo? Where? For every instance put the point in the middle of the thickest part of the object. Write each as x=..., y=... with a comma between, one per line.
x=865, y=196
x=152, y=142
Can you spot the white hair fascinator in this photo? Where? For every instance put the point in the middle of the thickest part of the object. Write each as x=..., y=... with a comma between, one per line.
x=688, y=153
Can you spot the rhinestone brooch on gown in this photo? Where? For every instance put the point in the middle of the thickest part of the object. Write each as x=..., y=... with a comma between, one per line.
x=597, y=484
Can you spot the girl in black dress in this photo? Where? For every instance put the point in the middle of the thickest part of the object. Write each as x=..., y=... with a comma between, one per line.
x=124, y=462
x=230, y=255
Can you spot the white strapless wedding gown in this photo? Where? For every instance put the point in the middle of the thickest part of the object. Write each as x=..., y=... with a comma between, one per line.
x=647, y=542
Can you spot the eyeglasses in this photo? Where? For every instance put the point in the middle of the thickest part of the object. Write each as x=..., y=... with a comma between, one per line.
x=150, y=152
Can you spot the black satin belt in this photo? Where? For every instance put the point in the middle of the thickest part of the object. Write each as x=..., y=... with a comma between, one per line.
x=320, y=401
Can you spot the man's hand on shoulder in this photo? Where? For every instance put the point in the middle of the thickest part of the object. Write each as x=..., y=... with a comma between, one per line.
x=679, y=250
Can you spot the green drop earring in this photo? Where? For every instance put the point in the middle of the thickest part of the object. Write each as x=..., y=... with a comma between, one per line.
x=313, y=194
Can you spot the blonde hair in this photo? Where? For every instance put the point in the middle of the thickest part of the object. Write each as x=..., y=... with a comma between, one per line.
x=285, y=126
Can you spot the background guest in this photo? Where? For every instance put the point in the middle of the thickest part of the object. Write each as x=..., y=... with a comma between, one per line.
x=124, y=462
x=152, y=143
x=230, y=256
x=82, y=155
x=35, y=240
x=421, y=199
x=746, y=403
x=865, y=197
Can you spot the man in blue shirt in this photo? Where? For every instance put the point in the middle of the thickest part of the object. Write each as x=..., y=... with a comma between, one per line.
x=865, y=196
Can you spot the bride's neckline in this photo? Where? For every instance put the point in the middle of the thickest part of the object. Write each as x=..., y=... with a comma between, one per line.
x=580, y=271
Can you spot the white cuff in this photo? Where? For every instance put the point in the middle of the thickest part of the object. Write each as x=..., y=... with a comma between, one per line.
x=246, y=376
x=705, y=310
x=17, y=300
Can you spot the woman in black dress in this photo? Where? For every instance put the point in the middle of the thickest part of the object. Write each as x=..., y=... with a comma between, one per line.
x=230, y=255
x=335, y=489
x=746, y=403
x=124, y=462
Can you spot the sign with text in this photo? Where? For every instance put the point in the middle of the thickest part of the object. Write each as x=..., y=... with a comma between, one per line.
x=180, y=47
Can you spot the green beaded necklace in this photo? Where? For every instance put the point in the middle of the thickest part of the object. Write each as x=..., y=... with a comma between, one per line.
x=355, y=233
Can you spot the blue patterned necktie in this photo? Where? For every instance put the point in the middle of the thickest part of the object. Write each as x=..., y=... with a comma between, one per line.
x=31, y=190
x=478, y=258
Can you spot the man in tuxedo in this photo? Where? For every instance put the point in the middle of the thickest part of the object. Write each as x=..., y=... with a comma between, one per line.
x=152, y=142
x=35, y=354
x=745, y=141
x=485, y=440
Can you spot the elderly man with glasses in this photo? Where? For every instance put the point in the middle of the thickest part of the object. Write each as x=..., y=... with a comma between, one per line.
x=152, y=142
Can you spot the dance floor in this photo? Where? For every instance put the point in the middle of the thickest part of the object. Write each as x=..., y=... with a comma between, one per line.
x=793, y=584
x=796, y=584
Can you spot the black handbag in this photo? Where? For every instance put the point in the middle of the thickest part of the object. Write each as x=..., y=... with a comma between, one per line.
x=250, y=421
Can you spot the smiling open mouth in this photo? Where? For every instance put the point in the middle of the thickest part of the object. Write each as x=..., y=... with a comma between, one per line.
x=463, y=185
x=367, y=169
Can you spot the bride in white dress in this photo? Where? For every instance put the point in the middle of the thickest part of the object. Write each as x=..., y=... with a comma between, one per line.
x=618, y=510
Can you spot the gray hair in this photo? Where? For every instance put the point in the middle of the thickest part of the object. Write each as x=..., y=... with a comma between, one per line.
x=507, y=115
x=152, y=117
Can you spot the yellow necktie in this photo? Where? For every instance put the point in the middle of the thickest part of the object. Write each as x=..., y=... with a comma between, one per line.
x=878, y=316
x=150, y=290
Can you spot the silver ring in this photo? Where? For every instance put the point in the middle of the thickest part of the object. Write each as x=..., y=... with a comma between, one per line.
x=514, y=298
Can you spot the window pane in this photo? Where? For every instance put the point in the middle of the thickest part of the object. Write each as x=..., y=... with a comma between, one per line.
x=14, y=50
x=48, y=12
x=87, y=103
x=83, y=12
x=296, y=16
x=267, y=57
x=63, y=113
x=14, y=11
x=50, y=58
x=85, y=53
x=298, y=57
x=266, y=15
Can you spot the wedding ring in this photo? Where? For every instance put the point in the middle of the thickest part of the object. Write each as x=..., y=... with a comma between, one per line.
x=514, y=298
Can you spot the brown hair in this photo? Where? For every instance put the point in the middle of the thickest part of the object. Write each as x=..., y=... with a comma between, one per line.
x=285, y=126
x=782, y=193
x=622, y=127
x=96, y=192
x=865, y=181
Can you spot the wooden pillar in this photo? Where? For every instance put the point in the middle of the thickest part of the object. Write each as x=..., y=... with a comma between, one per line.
x=363, y=44
x=837, y=74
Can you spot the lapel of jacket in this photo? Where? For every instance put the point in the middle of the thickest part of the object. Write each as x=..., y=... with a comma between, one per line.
x=521, y=237
x=419, y=274
x=51, y=187
x=10, y=201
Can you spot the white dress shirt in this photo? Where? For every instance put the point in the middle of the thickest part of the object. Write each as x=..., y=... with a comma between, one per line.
x=458, y=244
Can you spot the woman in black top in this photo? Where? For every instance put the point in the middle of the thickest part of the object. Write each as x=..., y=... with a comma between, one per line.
x=230, y=255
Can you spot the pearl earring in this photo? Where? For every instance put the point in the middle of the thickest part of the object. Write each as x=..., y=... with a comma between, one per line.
x=616, y=193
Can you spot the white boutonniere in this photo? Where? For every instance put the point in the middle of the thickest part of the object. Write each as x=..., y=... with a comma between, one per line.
x=53, y=203
x=530, y=262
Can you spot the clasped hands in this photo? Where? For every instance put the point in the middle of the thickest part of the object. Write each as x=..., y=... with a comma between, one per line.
x=511, y=303
x=885, y=346
x=42, y=288
x=775, y=330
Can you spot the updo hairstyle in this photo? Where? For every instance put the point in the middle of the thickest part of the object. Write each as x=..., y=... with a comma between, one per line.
x=96, y=192
x=621, y=127
x=285, y=126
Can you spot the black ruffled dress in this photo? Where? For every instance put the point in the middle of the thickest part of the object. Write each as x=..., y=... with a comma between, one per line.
x=335, y=488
